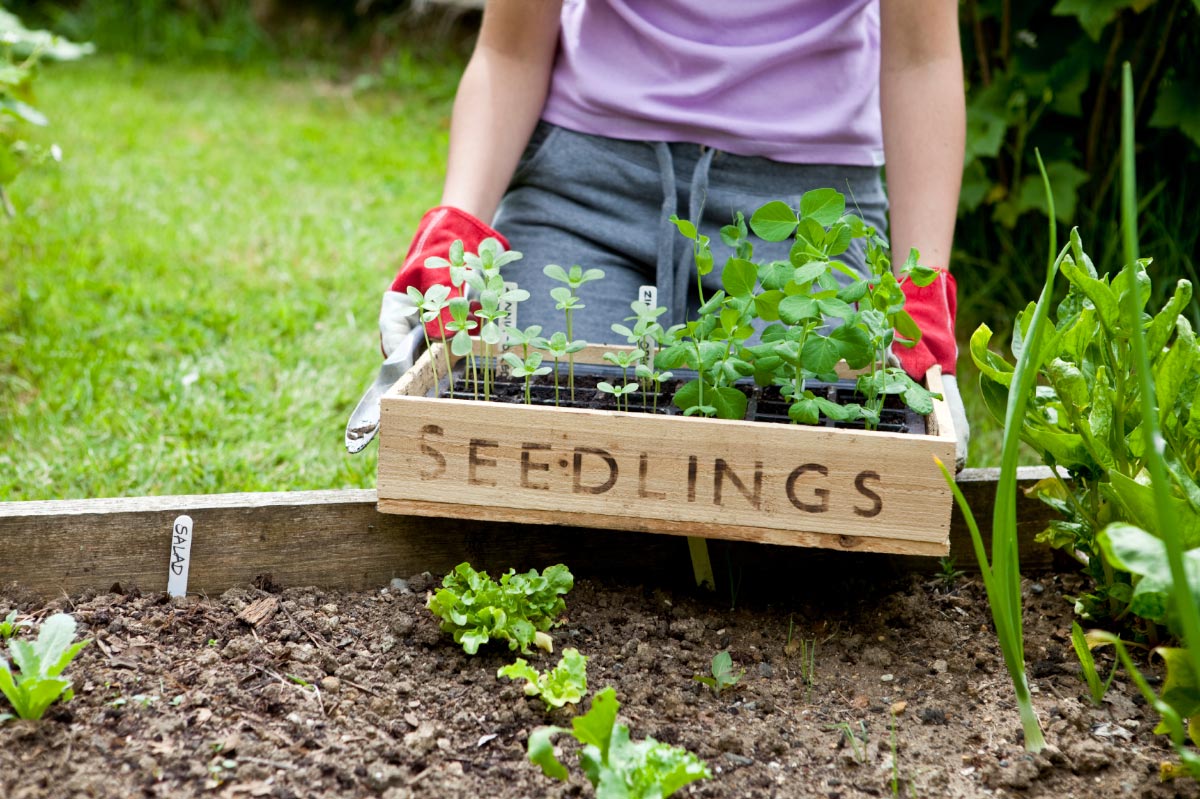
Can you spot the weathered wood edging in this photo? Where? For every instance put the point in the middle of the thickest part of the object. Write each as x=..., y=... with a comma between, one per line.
x=337, y=539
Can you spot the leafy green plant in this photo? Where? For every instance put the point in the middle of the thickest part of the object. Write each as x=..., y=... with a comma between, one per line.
x=1179, y=701
x=10, y=625
x=429, y=307
x=615, y=765
x=723, y=674
x=565, y=684
x=20, y=51
x=798, y=300
x=38, y=683
x=1097, y=688
x=519, y=609
x=1002, y=574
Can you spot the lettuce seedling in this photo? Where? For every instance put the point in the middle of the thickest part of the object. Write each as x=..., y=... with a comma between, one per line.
x=38, y=683
x=615, y=765
x=10, y=625
x=565, y=683
x=519, y=609
x=723, y=675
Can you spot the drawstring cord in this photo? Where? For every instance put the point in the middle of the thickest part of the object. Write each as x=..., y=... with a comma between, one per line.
x=672, y=275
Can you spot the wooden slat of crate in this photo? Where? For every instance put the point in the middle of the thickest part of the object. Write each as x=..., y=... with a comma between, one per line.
x=782, y=484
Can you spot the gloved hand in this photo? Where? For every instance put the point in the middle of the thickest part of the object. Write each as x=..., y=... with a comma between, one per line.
x=439, y=228
x=933, y=308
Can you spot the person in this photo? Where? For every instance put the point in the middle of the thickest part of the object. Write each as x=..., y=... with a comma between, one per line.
x=580, y=126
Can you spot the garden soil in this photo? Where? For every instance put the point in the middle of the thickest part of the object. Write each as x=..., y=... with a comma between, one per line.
x=296, y=692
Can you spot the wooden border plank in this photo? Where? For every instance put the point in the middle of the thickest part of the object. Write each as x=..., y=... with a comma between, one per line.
x=338, y=539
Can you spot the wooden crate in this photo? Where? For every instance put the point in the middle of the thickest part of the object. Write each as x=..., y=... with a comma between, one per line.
x=713, y=478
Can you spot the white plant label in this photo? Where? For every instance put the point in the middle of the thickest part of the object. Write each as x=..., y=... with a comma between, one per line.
x=181, y=556
x=510, y=308
x=648, y=295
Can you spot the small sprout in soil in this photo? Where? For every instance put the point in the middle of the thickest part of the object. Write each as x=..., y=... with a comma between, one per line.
x=526, y=369
x=519, y=609
x=1083, y=650
x=723, y=675
x=950, y=573
x=617, y=392
x=614, y=764
x=38, y=682
x=559, y=347
x=10, y=626
x=855, y=739
x=651, y=381
x=565, y=683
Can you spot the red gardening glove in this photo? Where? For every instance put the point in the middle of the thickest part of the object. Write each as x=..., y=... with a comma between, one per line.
x=439, y=228
x=932, y=308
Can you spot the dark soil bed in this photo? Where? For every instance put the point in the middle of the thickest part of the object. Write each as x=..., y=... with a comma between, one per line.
x=360, y=695
x=764, y=404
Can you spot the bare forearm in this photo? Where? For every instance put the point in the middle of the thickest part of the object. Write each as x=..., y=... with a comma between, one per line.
x=924, y=128
x=499, y=101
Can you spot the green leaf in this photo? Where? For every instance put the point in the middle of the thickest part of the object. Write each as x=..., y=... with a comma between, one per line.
x=1181, y=686
x=1176, y=106
x=1132, y=549
x=541, y=752
x=556, y=273
x=1065, y=177
x=1141, y=509
x=798, y=309
x=739, y=277
x=853, y=344
x=1095, y=15
x=22, y=111
x=774, y=221
x=729, y=402
x=823, y=206
x=820, y=354
x=989, y=364
x=1099, y=293
x=1160, y=330
x=1175, y=368
x=596, y=726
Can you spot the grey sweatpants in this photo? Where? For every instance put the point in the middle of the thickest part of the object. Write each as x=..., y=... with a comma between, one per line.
x=600, y=202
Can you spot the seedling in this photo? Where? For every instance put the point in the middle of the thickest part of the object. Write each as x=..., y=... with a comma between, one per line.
x=1083, y=651
x=526, y=369
x=856, y=740
x=615, y=765
x=650, y=377
x=559, y=347
x=617, y=392
x=520, y=609
x=625, y=360
x=565, y=683
x=38, y=682
x=950, y=573
x=723, y=675
x=567, y=300
x=429, y=307
x=10, y=626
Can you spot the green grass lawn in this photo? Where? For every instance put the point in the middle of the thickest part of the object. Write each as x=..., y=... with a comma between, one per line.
x=188, y=303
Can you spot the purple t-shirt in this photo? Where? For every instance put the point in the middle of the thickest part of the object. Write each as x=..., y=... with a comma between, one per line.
x=794, y=81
